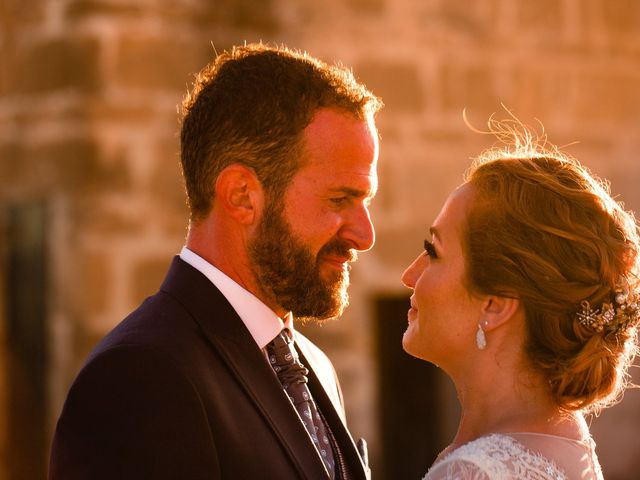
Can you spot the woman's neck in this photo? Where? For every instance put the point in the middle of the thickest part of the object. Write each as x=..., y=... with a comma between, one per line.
x=502, y=403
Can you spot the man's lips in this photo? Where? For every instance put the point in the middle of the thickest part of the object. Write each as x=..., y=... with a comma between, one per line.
x=338, y=261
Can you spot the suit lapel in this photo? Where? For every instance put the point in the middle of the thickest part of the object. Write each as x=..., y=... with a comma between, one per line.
x=231, y=339
x=261, y=384
x=334, y=419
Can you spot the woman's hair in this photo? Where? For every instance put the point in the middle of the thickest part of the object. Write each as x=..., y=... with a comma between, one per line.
x=545, y=230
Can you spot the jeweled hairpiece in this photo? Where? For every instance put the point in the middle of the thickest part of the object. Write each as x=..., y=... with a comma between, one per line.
x=611, y=316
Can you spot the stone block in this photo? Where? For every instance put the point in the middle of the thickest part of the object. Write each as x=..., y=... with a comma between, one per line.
x=331, y=335
x=74, y=161
x=604, y=97
x=398, y=248
x=7, y=66
x=56, y=64
x=94, y=277
x=457, y=19
x=542, y=16
x=148, y=274
x=117, y=112
x=546, y=92
x=166, y=184
x=258, y=16
x=15, y=16
x=91, y=216
x=145, y=62
x=367, y=6
x=470, y=86
x=74, y=165
x=621, y=16
x=166, y=189
x=399, y=84
x=12, y=165
x=84, y=340
x=79, y=9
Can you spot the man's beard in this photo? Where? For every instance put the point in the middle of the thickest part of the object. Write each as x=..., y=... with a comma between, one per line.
x=288, y=272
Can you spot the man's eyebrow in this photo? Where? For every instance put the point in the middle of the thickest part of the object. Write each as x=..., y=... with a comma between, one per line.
x=354, y=192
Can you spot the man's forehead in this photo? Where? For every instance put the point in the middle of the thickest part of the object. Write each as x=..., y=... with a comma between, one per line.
x=329, y=128
x=356, y=180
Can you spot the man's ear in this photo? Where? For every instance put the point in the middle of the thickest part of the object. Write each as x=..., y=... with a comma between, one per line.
x=239, y=193
x=497, y=311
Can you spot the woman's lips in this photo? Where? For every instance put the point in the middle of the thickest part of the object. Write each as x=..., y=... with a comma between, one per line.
x=413, y=311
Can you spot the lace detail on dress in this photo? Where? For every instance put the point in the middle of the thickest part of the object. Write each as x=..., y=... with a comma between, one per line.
x=494, y=457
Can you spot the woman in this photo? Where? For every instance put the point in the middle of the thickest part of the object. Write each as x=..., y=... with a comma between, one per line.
x=526, y=297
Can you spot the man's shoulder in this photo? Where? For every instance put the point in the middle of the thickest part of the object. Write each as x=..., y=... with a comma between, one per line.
x=157, y=320
x=155, y=314
x=172, y=314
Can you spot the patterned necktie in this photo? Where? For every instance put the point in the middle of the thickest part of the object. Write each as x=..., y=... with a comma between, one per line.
x=293, y=376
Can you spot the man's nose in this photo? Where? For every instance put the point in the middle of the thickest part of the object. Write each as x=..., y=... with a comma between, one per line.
x=358, y=230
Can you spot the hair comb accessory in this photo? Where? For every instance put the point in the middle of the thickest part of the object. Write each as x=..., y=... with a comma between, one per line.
x=610, y=317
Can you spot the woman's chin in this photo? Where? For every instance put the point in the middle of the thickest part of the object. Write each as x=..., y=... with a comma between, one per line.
x=409, y=343
x=415, y=346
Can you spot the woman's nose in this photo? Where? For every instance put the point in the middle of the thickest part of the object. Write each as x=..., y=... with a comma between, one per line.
x=411, y=274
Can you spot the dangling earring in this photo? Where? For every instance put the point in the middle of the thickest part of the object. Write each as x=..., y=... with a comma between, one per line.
x=481, y=339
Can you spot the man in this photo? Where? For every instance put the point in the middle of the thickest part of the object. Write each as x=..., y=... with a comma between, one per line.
x=279, y=155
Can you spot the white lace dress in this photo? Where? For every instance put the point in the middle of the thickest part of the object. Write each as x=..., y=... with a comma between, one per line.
x=521, y=456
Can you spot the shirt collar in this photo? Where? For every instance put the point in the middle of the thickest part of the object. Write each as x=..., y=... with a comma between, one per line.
x=262, y=322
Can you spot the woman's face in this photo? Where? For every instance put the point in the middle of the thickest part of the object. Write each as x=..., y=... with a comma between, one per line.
x=443, y=318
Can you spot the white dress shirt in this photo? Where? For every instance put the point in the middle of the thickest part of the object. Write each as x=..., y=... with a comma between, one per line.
x=260, y=320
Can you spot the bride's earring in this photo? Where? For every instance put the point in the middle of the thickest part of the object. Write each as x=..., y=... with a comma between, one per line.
x=481, y=339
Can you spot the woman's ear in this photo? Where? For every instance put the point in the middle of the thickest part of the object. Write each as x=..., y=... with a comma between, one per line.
x=498, y=310
x=239, y=193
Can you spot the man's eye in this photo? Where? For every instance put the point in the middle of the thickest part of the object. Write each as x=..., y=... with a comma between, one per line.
x=338, y=201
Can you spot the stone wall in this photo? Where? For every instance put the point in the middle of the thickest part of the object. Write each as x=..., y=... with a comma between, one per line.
x=88, y=124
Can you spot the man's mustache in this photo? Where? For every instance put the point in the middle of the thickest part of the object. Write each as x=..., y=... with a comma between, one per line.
x=339, y=248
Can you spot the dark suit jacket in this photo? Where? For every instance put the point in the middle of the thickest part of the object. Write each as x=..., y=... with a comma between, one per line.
x=180, y=389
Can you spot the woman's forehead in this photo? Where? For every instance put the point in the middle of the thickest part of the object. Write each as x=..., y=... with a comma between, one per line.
x=454, y=211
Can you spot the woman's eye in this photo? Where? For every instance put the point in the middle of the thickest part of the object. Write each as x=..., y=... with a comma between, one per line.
x=430, y=249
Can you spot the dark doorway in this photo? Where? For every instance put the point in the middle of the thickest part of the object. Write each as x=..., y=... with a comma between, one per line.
x=24, y=295
x=415, y=411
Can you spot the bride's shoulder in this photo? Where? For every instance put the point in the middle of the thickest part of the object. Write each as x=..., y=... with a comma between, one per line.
x=494, y=456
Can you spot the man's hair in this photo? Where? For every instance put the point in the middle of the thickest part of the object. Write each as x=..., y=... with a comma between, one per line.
x=250, y=106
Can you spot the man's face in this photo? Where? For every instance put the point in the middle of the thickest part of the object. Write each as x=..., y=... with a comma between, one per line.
x=305, y=241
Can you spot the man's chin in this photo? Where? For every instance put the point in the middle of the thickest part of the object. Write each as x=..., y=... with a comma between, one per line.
x=321, y=312
x=325, y=317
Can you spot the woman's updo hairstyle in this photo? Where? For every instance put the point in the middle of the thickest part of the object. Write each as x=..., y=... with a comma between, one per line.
x=543, y=229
